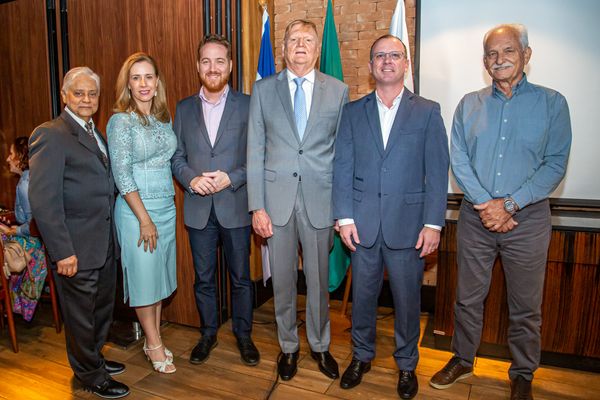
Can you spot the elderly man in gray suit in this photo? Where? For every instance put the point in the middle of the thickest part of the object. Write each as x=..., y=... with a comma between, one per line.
x=291, y=133
x=72, y=195
x=210, y=162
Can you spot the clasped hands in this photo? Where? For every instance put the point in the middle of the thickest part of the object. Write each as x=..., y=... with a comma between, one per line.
x=210, y=182
x=494, y=217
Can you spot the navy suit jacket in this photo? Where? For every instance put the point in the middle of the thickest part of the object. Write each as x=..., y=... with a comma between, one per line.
x=399, y=188
x=195, y=155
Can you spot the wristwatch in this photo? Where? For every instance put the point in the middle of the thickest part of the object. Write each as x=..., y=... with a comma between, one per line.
x=510, y=206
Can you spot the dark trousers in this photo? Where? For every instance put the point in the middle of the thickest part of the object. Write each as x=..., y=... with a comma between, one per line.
x=405, y=273
x=87, y=300
x=523, y=252
x=236, y=246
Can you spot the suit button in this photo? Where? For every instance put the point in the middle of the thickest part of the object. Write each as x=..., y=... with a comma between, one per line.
x=379, y=195
x=108, y=218
x=295, y=174
x=212, y=155
x=300, y=152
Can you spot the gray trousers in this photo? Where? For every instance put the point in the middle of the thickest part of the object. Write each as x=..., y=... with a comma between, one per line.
x=283, y=258
x=523, y=252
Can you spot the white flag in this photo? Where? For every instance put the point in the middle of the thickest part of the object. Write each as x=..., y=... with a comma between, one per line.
x=398, y=28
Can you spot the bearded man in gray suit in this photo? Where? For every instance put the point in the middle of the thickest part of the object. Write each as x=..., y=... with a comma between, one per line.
x=291, y=132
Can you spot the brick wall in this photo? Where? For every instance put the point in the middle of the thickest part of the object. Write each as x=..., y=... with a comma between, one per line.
x=358, y=22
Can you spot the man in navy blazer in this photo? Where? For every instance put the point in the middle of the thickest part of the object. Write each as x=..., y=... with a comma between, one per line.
x=210, y=162
x=389, y=197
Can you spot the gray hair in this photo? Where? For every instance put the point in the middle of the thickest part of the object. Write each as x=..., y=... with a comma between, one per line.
x=520, y=29
x=74, y=73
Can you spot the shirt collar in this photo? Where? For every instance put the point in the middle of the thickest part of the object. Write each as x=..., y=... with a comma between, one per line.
x=310, y=77
x=394, y=102
x=80, y=121
x=518, y=87
x=204, y=99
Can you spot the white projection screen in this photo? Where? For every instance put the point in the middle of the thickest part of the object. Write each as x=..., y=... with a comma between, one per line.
x=565, y=39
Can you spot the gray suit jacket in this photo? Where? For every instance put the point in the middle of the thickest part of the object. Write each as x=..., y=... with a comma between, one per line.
x=195, y=155
x=71, y=191
x=278, y=161
x=399, y=188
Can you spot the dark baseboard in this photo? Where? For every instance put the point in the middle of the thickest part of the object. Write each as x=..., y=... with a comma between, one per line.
x=548, y=358
x=263, y=293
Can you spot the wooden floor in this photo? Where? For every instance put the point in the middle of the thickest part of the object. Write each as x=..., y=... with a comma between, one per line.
x=41, y=371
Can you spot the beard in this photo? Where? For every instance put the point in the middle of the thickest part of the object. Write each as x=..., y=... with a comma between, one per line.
x=214, y=85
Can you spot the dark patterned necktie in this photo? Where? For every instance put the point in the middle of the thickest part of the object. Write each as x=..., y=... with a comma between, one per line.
x=90, y=130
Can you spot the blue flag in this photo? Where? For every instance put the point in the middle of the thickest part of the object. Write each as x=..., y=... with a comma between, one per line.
x=266, y=61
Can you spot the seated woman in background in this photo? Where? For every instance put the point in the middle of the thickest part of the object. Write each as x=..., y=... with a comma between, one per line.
x=141, y=143
x=26, y=287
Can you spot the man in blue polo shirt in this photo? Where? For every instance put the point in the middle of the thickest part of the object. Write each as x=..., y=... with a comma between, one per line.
x=510, y=146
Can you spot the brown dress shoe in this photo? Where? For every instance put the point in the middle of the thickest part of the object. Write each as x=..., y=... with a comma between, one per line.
x=520, y=389
x=452, y=372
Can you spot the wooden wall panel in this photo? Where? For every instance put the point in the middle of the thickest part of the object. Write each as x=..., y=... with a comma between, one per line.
x=23, y=80
x=103, y=34
x=571, y=305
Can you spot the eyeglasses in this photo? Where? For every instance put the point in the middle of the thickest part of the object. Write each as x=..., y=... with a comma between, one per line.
x=394, y=55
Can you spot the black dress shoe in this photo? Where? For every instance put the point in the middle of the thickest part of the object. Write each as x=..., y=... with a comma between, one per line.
x=248, y=351
x=202, y=350
x=408, y=386
x=327, y=364
x=110, y=389
x=287, y=365
x=353, y=374
x=114, y=367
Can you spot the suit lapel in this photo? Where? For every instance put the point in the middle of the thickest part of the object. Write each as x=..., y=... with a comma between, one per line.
x=200, y=118
x=283, y=90
x=82, y=136
x=406, y=104
x=318, y=90
x=373, y=120
x=230, y=104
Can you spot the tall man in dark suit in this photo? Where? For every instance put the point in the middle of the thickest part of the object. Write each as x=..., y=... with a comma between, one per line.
x=293, y=123
x=210, y=162
x=72, y=194
x=389, y=196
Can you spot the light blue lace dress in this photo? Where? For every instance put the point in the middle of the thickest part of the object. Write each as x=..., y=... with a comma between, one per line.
x=140, y=158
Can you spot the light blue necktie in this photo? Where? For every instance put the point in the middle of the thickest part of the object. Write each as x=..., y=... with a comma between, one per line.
x=300, y=107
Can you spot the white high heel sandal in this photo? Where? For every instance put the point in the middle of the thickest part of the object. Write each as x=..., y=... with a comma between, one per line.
x=167, y=351
x=160, y=366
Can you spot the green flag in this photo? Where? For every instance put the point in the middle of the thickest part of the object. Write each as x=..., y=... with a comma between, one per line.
x=331, y=64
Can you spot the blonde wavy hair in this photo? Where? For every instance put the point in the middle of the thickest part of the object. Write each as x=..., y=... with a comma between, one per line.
x=126, y=103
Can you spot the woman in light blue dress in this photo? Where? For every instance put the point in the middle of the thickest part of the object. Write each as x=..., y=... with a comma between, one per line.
x=141, y=142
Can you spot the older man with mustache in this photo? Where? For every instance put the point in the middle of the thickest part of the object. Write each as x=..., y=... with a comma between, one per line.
x=510, y=146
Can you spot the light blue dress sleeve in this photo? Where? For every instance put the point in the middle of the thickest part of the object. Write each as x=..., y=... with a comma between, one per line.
x=22, y=206
x=120, y=148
